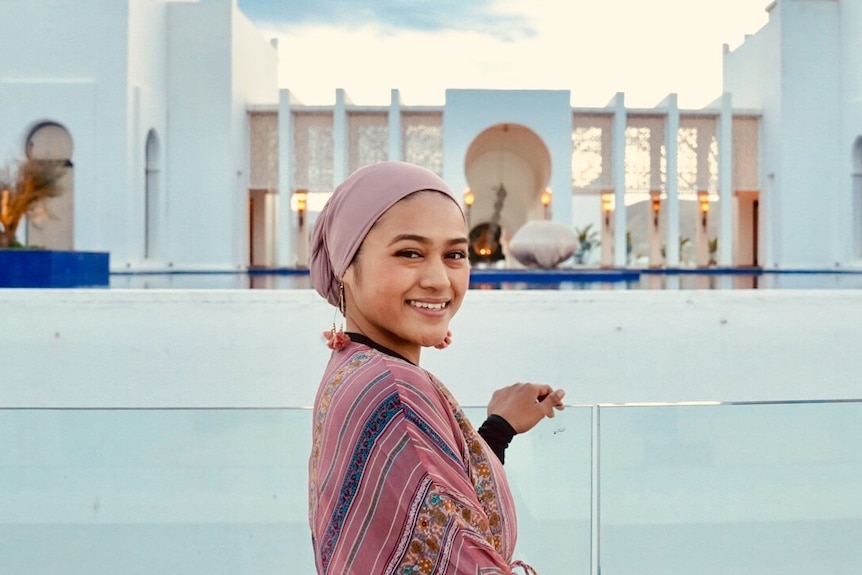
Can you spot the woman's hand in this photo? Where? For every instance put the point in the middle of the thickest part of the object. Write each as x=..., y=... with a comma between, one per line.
x=524, y=405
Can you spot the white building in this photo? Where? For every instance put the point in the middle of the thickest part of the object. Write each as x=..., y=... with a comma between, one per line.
x=147, y=99
x=803, y=70
x=186, y=156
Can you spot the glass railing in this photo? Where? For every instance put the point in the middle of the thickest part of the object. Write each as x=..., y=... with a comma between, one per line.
x=741, y=489
x=154, y=492
x=679, y=489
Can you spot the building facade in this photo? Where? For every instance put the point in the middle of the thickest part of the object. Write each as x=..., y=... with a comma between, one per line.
x=803, y=71
x=147, y=101
x=183, y=153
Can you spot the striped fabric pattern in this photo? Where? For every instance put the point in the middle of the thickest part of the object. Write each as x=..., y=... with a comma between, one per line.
x=399, y=481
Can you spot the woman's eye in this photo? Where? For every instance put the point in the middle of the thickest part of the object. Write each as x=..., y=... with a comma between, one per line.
x=457, y=255
x=409, y=254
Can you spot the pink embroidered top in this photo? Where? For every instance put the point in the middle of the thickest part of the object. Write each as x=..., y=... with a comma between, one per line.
x=399, y=480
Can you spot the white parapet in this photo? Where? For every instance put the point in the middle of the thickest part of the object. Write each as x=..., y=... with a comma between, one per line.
x=209, y=348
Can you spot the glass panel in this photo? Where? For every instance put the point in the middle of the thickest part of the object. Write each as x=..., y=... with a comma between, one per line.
x=86, y=492
x=224, y=491
x=741, y=489
x=549, y=472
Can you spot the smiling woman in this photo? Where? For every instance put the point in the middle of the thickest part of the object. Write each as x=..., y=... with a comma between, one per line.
x=399, y=480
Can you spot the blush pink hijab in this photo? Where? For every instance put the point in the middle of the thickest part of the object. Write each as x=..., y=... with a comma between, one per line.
x=351, y=212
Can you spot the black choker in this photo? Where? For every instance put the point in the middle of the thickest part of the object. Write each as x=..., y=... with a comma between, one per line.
x=363, y=339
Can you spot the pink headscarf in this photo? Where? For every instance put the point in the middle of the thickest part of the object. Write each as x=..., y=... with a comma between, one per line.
x=353, y=209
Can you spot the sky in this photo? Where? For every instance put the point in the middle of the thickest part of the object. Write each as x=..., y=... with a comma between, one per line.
x=645, y=48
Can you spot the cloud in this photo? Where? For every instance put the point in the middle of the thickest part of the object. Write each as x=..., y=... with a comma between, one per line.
x=481, y=16
x=660, y=47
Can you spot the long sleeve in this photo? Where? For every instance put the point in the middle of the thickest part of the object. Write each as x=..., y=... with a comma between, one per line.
x=498, y=434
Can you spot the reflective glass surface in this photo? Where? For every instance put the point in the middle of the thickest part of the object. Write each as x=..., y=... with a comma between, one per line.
x=741, y=489
x=723, y=489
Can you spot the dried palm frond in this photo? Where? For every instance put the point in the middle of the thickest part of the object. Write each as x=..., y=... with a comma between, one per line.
x=23, y=189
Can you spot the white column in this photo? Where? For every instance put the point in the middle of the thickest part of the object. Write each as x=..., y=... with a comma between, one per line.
x=725, y=182
x=606, y=259
x=340, y=140
x=655, y=240
x=671, y=135
x=701, y=238
x=285, y=221
x=607, y=238
x=704, y=139
x=396, y=150
x=618, y=159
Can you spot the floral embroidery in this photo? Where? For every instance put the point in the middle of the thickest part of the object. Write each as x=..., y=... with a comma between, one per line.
x=479, y=468
x=440, y=516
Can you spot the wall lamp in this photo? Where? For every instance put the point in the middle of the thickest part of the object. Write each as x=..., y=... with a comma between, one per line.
x=301, y=196
x=469, y=200
x=546, y=198
x=655, y=198
x=607, y=206
x=703, y=201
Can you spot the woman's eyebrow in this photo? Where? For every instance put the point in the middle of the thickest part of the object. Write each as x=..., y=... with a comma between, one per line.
x=424, y=240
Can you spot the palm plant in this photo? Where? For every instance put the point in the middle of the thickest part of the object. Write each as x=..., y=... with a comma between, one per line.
x=588, y=238
x=24, y=187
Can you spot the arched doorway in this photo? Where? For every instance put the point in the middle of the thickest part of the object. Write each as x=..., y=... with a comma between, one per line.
x=857, y=198
x=53, y=226
x=508, y=167
x=151, y=196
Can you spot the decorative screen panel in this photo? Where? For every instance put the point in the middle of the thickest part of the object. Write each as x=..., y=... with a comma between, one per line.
x=745, y=153
x=591, y=152
x=637, y=160
x=313, y=152
x=422, y=137
x=368, y=139
x=263, y=154
x=646, y=154
x=698, y=157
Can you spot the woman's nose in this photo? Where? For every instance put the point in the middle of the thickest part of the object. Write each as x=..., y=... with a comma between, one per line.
x=435, y=274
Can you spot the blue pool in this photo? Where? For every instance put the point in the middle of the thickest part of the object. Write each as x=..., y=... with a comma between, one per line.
x=565, y=279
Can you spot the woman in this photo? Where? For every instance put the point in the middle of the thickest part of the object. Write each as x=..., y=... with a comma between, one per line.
x=399, y=481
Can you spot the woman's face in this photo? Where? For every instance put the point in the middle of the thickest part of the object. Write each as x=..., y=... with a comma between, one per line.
x=410, y=276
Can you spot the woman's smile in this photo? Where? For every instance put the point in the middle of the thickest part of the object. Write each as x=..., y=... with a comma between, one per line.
x=427, y=305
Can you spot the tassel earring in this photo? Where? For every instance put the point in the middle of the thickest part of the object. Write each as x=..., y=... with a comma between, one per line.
x=447, y=341
x=336, y=339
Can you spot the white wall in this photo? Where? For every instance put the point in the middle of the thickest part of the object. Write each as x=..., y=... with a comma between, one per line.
x=851, y=45
x=814, y=165
x=746, y=71
x=202, y=177
x=246, y=348
x=801, y=69
x=69, y=69
x=110, y=71
x=255, y=81
x=148, y=101
x=208, y=164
